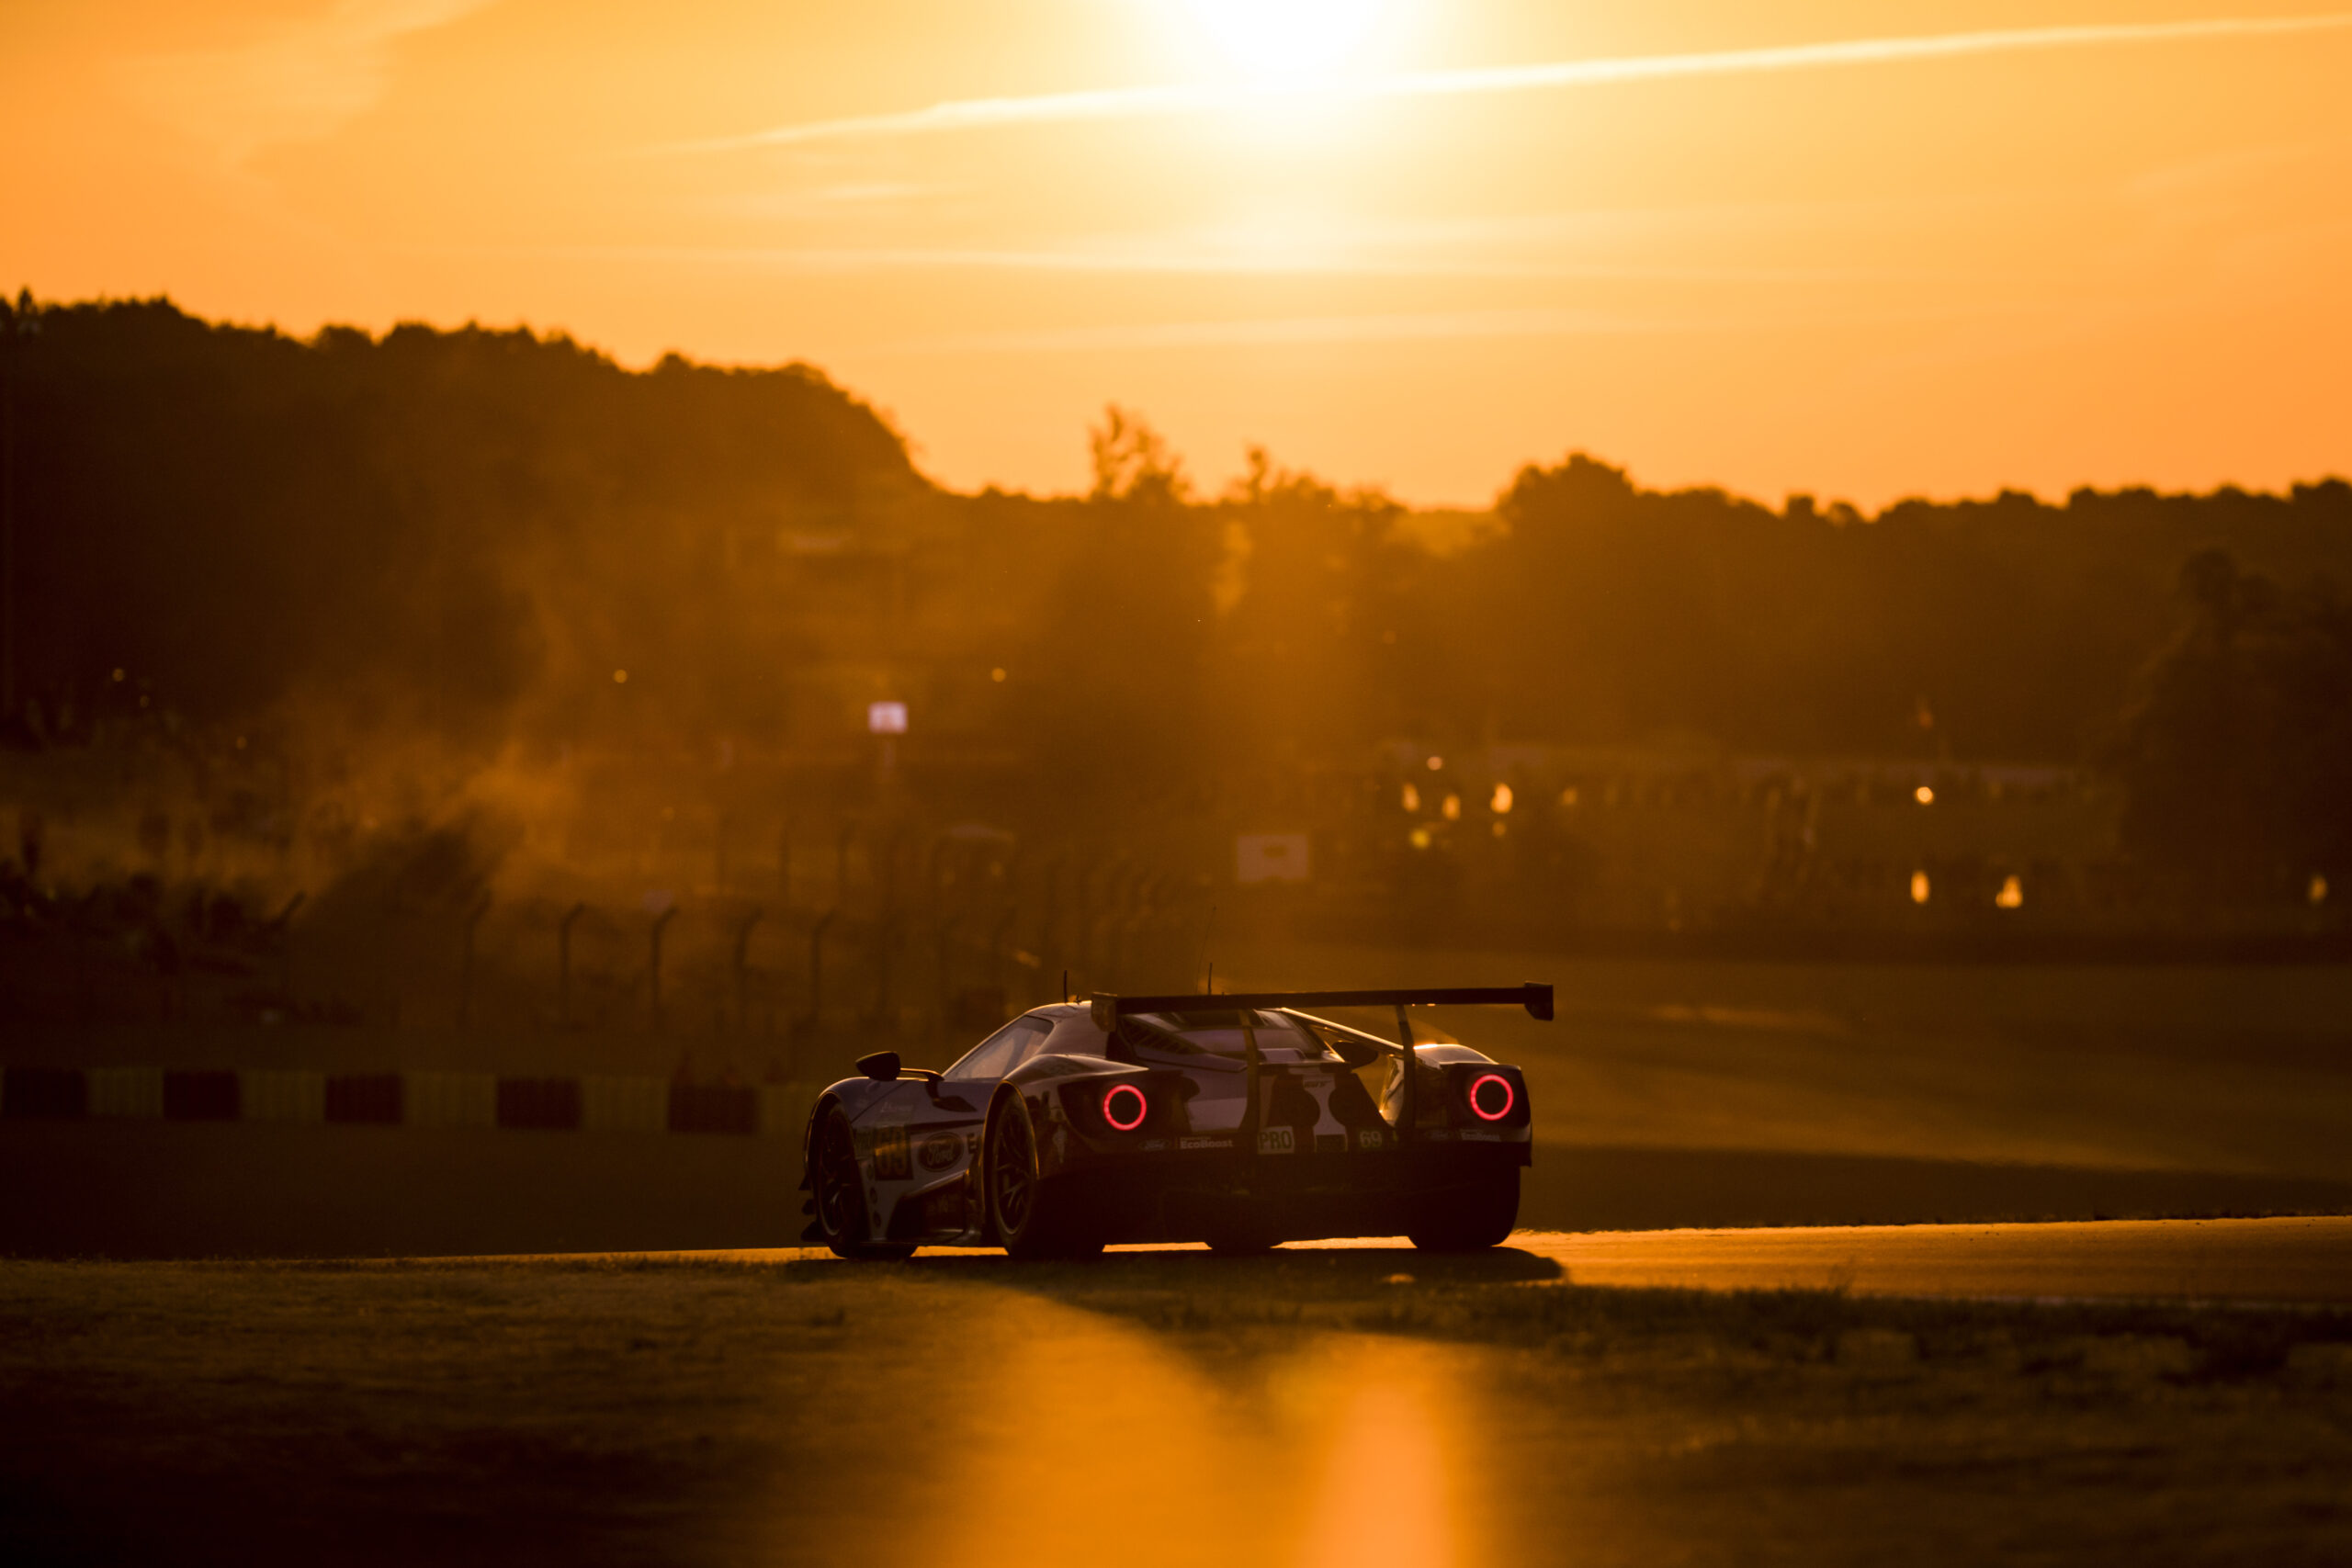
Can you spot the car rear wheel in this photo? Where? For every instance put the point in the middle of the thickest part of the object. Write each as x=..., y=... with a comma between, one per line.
x=1033, y=1216
x=840, y=1195
x=1472, y=1217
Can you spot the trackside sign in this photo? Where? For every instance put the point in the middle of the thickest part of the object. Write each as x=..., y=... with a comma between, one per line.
x=1270, y=857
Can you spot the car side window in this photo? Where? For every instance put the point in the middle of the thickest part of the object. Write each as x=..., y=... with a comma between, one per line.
x=1030, y=1043
x=999, y=1054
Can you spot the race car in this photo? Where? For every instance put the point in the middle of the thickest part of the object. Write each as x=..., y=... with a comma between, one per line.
x=1242, y=1120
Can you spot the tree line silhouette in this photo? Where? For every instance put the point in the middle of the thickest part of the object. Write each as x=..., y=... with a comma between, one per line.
x=499, y=538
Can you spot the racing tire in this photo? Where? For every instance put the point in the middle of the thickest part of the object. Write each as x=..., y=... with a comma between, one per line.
x=840, y=1195
x=1471, y=1217
x=1033, y=1218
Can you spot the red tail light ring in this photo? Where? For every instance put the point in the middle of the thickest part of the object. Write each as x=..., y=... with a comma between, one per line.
x=1112, y=1105
x=1482, y=1099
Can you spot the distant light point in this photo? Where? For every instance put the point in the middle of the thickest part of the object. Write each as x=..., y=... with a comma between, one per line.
x=117, y=676
x=1436, y=764
x=620, y=677
x=1502, y=802
x=997, y=675
x=1924, y=795
x=1919, y=887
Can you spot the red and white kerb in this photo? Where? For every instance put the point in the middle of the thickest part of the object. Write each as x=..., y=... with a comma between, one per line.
x=1491, y=1097
x=1124, y=1107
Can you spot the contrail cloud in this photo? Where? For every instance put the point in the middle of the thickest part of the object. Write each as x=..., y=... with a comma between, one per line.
x=1145, y=103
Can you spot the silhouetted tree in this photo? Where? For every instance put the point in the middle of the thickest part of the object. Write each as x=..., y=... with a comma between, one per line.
x=430, y=522
x=2236, y=748
x=1316, y=583
x=1121, y=634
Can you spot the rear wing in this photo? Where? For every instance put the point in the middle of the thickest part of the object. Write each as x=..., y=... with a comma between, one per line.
x=1109, y=1008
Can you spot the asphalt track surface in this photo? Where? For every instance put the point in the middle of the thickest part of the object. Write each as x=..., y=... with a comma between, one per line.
x=2269, y=1261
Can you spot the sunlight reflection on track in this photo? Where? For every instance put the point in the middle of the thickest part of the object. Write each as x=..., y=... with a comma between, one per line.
x=1394, y=1488
x=1042, y=1433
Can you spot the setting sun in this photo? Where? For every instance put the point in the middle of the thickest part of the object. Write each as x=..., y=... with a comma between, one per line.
x=1287, y=38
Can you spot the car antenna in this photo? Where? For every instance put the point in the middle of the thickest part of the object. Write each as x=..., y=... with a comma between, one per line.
x=1208, y=939
x=1065, y=985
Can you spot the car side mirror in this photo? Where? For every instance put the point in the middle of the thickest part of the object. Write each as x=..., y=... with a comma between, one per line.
x=883, y=1066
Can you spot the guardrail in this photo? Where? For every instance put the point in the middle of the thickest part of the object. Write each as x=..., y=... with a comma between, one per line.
x=486, y=1101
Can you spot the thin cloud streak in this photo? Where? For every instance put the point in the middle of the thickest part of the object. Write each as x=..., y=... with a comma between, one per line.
x=1189, y=262
x=1141, y=103
x=1439, y=325
x=858, y=260
x=1431, y=326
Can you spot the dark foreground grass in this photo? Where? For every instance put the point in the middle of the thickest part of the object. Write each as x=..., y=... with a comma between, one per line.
x=1239, y=1411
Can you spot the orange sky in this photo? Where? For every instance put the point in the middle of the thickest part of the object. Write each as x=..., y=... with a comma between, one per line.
x=2112, y=256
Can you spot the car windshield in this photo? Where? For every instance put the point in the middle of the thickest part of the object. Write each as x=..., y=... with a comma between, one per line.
x=1219, y=1032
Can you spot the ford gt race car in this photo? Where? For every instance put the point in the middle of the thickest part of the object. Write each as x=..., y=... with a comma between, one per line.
x=1242, y=1120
